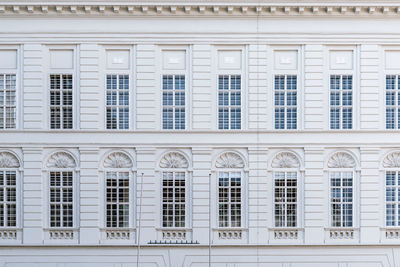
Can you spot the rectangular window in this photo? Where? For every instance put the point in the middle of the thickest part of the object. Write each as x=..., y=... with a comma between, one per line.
x=117, y=199
x=8, y=101
x=285, y=199
x=173, y=199
x=229, y=102
x=392, y=102
x=392, y=198
x=61, y=199
x=61, y=101
x=117, y=104
x=341, y=102
x=173, y=99
x=341, y=199
x=8, y=199
x=229, y=199
x=285, y=101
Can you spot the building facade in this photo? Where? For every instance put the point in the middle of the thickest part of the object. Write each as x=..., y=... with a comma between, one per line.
x=218, y=133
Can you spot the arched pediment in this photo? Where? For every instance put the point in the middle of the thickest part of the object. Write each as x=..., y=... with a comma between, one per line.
x=118, y=160
x=392, y=160
x=229, y=160
x=174, y=160
x=61, y=160
x=8, y=160
x=341, y=160
x=285, y=160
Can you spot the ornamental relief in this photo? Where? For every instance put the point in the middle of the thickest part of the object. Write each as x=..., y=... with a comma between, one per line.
x=229, y=160
x=61, y=160
x=285, y=160
x=392, y=160
x=173, y=160
x=341, y=160
x=8, y=160
x=118, y=160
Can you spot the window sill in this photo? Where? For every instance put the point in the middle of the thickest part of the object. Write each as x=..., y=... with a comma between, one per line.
x=341, y=233
x=171, y=233
x=115, y=235
x=286, y=233
x=61, y=235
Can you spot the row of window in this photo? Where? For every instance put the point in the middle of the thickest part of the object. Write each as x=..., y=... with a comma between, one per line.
x=174, y=101
x=174, y=192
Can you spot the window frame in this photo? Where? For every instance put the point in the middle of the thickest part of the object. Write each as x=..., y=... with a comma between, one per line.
x=341, y=106
x=17, y=107
x=132, y=197
x=229, y=106
x=187, y=99
x=244, y=204
x=396, y=106
x=298, y=196
x=285, y=106
x=75, y=197
x=19, y=199
x=355, y=198
x=130, y=99
x=188, y=199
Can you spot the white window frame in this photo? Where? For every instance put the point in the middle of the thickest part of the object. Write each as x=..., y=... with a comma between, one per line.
x=3, y=105
x=341, y=107
x=230, y=106
x=354, y=198
x=18, y=177
x=174, y=106
x=61, y=101
x=75, y=72
x=188, y=194
x=396, y=105
x=396, y=203
x=132, y=198
x=298, y=196
x=286, y=106
x=118, y=106
x=75, y=197
x=244, y=211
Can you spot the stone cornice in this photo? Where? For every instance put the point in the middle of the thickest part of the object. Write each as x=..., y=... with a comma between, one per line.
x=164, y=9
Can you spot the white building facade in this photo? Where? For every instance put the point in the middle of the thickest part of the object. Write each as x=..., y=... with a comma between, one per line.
x=218, y=133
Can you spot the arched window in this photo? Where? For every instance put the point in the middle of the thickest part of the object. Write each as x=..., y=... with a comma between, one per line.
x=286, y=196
x=230, y=197
x=118, y=190
x=391, y=164
x=341, y=183
x=9, y=165
x=61, y=174
x=174, y=187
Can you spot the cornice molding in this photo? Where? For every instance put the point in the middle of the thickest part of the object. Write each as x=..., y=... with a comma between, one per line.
x=197, y=9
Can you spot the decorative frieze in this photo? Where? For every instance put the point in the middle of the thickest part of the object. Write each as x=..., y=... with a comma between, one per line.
x=229, y=160
x=61, y=160
x=118, y=160
x=229, y=234
x=8, y=160
x=216, y=9
x=173, y=160
x=341, y=160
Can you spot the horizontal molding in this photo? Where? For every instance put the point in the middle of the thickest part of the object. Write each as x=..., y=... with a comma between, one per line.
x=196, y=8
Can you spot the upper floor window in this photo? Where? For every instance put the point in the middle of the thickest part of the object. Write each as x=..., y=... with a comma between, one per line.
x=341, y=101
x=285, y=101
x=9, y=165
x=119, y=190
x=173, y=100
x=174, y=186
x=392, y=102
x=8, y=101
x=117, y=104
x=230, y=196
x=61, y=192
x=286, y=195
x=229, y=102
x=61, y=101
x=392, y=189
x=341, y=184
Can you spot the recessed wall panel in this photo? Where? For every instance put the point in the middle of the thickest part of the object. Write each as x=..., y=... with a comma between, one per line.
x=285, y=60
x=118, y=59
x=230, y=60
x=8, y=59
x=61, y=59
x=341, y=60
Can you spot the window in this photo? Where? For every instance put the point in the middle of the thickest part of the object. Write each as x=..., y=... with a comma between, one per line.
x=117, y=199
x=173, y=199
x=392, y=198
x=341, y=101
x=341, y=198
x=285, y=102
x=229, y=199
x=285, y=199
x=229, y=102
x=117, y=104
x=61, y=101
x=392, y=102
x=173, y=114
x=61, y=199
x=8, y=102
x=8, y=198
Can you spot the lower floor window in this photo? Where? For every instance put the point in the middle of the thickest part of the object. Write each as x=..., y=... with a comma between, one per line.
x=285, y=199
x=341, y=184
x=229, y=199
x=117, y=199
x=61, y=199
x=8, y=199
x=173, y=199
